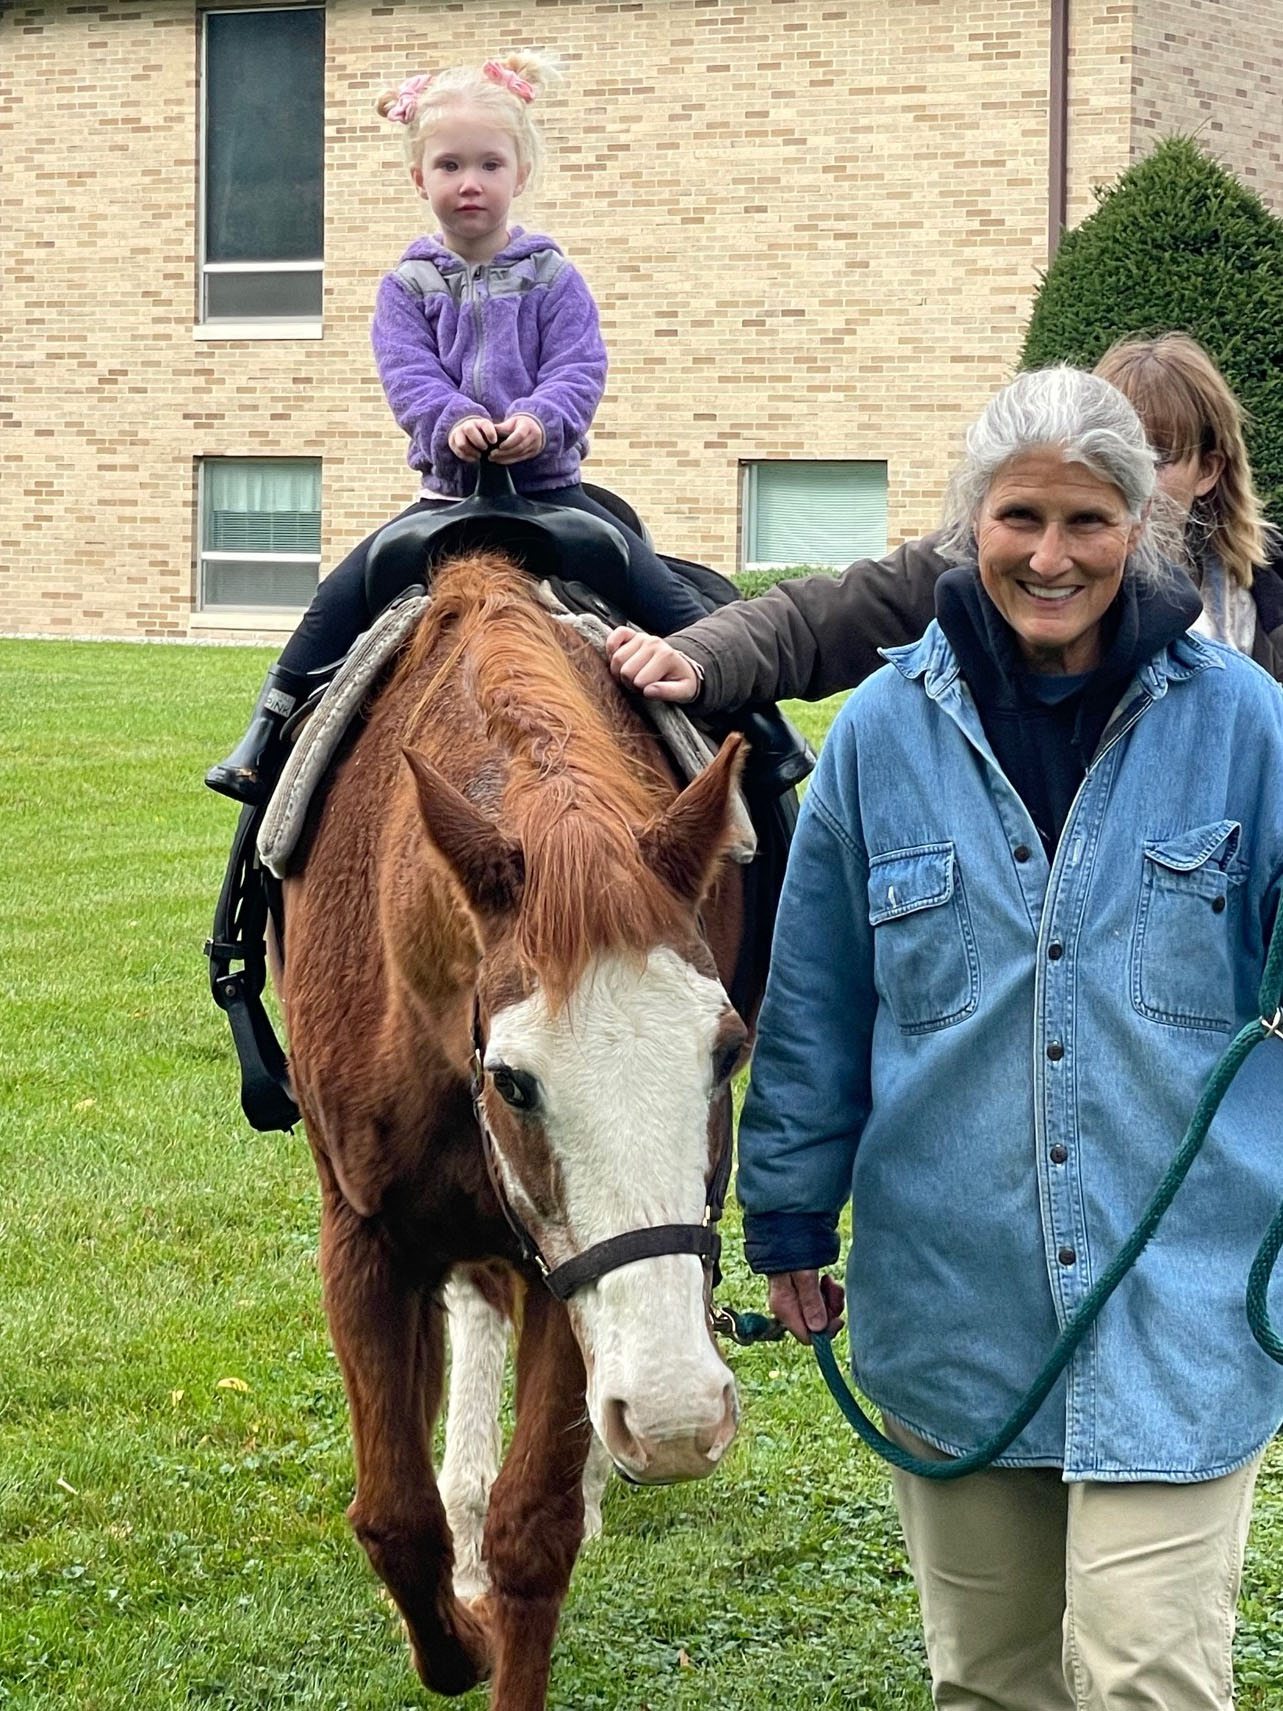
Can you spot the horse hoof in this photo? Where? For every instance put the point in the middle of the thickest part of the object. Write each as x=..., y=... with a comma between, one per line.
x=452, y=1664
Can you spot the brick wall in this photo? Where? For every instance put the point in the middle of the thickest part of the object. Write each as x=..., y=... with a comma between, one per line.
x=814, y=227
x=1100, y=50
x=1214, y=68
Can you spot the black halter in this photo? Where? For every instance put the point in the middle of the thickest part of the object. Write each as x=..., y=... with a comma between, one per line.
x=563, y=1280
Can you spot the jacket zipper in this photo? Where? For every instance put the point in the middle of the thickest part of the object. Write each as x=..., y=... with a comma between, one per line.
x=474, y=281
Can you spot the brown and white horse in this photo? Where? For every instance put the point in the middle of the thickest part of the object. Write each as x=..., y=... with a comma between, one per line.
x=503, y=866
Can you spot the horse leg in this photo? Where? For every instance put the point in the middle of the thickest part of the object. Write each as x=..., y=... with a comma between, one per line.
x=389, y=1340
x=536, y=1518
x=479, y=1309
x=597, y=1472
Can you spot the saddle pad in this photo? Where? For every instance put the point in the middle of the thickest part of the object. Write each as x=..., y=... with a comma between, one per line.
x=309, y=759
x=311, y=755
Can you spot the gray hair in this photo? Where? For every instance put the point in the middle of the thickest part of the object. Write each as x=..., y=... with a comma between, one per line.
x=1084, y=418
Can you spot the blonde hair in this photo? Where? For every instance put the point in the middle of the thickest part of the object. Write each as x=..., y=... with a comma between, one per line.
x=1182, y=398
x=421, y=102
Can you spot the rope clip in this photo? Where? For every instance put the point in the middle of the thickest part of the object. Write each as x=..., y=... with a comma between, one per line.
x=745, y=1328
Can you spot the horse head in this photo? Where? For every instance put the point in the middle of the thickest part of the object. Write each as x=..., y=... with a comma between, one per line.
x=606, y=1044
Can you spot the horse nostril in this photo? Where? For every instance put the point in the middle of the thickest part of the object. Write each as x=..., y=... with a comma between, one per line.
x=618, y=1436
x=713, y=1442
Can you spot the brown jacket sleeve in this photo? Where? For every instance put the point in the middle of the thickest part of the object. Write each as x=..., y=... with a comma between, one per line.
x=811, y=637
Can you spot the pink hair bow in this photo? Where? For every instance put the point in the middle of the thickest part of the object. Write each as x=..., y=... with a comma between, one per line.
x=504, y=75
x=406, y=104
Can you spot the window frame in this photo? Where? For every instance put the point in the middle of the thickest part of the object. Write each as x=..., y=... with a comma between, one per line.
x=256, y=326
x=226, y=612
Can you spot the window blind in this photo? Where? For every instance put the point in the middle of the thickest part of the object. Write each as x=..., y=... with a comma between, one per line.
x=267, y=505
x=264, y=135
x=815, y=512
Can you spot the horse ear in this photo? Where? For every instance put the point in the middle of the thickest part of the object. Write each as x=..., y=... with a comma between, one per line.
x=488, y=864
x=682, y=846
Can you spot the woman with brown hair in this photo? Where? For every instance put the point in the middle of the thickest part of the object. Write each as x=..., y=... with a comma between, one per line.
x=820, y=634
x=1195, y=424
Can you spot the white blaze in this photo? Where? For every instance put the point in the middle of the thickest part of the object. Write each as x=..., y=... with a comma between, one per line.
x=625, y=1073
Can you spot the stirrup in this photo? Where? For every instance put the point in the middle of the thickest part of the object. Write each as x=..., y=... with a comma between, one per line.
x=240, y=935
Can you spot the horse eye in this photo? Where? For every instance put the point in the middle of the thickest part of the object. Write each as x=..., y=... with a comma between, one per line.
x=515, y=1087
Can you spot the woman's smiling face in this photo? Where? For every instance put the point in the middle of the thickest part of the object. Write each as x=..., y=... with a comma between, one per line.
x=1053, y=540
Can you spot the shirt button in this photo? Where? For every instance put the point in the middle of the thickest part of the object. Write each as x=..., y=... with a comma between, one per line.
x=1055, y=950
x=1058, y=1154
x=1218, y=905
x=1055, y=1051
x=1067, y=1256
x=1021, y=852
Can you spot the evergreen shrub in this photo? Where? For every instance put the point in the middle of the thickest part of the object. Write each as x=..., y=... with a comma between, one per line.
x=751, y=583
x=1177, y=244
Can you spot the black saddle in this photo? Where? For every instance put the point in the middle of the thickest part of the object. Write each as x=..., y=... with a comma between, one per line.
x=546, y=540
x=576, y=552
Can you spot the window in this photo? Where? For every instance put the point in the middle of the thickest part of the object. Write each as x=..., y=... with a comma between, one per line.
x=263, y=154
x=260, y=532
x=814, y=513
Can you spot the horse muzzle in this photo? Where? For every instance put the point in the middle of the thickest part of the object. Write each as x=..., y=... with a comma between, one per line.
x=650, y=1450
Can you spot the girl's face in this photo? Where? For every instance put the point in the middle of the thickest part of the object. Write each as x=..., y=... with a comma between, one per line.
x=469, y=174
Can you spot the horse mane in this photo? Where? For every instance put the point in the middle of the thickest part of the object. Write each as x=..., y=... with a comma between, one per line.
x=576, y=794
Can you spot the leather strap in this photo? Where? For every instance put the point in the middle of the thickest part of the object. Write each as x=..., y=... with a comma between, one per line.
x=240, y=935
x=699, y=1239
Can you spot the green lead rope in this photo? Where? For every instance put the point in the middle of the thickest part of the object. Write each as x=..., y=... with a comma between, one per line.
x=1269, y=1023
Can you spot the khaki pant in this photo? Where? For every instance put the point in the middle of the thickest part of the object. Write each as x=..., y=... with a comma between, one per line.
x=1042, y=1596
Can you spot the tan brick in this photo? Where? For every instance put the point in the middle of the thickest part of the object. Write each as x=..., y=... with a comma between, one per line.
x=813, y=229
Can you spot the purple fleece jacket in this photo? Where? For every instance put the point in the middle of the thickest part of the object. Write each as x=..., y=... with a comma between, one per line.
x=516, y=333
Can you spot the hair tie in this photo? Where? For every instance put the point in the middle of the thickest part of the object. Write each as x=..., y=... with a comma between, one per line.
x=508, y=79
x=406, y=105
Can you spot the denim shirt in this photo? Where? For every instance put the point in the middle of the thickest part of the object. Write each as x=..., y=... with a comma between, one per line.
x=996, y=1059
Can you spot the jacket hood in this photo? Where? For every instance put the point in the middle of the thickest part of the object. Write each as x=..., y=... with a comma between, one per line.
x=1141, y=621
x=1150, y=632
x=520, y=244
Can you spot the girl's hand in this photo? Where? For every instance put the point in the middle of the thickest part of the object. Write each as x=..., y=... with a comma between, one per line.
x=651, y=666
x=803, y=1302
x=520, y=437
x=469, y=438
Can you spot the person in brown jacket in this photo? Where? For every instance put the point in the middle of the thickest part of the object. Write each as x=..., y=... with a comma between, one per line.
x=809, y=638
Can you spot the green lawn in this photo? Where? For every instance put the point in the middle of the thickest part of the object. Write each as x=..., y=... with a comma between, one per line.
x=174, y=1460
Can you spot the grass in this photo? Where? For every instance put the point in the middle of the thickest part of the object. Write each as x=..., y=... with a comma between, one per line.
x=174, y=1459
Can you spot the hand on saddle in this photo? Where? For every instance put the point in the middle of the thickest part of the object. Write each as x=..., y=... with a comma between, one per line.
x=803, y=1302
x=520, y=437
x=651, y=666
x=471, y=437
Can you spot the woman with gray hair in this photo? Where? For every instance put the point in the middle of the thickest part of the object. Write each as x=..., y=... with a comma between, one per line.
x=1027, y=906
x=814, y=635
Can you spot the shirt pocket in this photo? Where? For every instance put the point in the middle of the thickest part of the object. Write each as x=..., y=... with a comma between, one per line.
x=1182, y=968
x=925, y=966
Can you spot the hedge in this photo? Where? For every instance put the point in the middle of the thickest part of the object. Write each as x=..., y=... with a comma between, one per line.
x=1177, y=244
x=751, y=583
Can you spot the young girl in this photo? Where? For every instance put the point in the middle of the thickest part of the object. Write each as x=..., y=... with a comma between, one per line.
x=487, y=340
